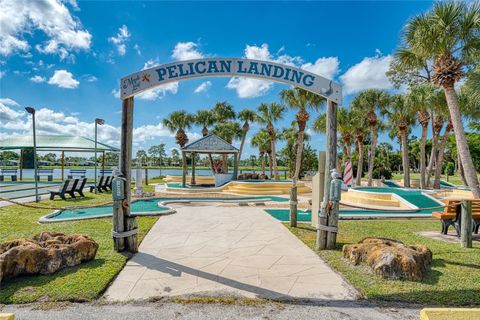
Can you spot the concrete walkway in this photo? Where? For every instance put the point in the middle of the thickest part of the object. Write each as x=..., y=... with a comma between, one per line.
x=209, y=250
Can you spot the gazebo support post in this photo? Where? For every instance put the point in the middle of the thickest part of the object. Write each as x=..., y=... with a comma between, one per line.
x=326, y=239
x=184, y=173
x=235, y=166
x=21, y=164
x=103, y=162
x=122, y=220
x=193, y=182
x=63, y=165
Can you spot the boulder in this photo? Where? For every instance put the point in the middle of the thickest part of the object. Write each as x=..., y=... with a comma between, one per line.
x=390, y=259
x=45, y=253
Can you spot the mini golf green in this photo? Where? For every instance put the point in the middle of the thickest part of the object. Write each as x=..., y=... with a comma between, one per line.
x=415, y=197
x=391, y=184
x=140, y=207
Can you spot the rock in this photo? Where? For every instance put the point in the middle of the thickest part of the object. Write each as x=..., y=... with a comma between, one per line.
x=45, y=253
x=390, y=259
x=251, y=176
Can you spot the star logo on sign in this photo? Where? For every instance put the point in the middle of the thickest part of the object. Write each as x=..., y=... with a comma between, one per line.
x=146, y=77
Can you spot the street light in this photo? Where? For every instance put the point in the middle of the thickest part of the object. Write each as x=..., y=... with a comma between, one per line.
x=98, y=122
x=35, y=173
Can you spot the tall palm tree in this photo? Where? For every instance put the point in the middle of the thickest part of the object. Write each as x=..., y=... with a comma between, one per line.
x=261, y=140
x=369, y=102
x=441, y=153
x=290, y=135
x=345, y=127
x=247, y=116
x=178, y=121
x=440, y=110
x=223, y=112
x=268, y=114
x=449, y=35
x=205, y=119
x=421, y=97
x=401, y=116
x=228, y=131
x=300, y=100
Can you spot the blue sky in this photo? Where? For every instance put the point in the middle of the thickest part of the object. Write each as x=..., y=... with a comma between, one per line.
x=66, y=58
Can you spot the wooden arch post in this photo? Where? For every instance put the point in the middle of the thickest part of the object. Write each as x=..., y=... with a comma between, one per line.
x=123, y=221
x=328, y=239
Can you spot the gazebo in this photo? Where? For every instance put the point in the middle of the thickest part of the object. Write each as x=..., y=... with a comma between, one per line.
x=210, y=144
x=55, y=143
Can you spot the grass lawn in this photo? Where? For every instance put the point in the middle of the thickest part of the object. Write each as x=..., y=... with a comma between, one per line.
x=81, y=283
x=454, y=278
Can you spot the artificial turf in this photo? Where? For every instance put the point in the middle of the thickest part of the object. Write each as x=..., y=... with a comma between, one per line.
x=453, y=279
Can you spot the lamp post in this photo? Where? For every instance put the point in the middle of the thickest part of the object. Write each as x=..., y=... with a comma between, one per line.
x=97, y=123
x=35, y=173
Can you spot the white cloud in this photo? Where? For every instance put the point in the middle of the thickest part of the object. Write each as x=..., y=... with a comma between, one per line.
x=249, y=88
x=137, y=49
x=116, y=93
x=186, y=51
x=49, y=121
x=2, y=74
x=159, y=92
x=7, y=114
x=119, y=40
x=151, y=63
x=63, y=79
x=52, y=17
x=9, y=102
x=203, y=87
x=91, y=78
x=149, y=132
x=367, y=74
x=326, y=67
x=252, y=88
x=38, y=79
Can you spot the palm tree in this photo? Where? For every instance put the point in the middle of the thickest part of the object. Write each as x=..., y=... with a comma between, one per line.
x=441, y=153
x=247, y=116
x=268, y=115
x=290, y=135
x=228, y=131
x=205, y=119
x=401, y=116
x=439, y=112
x=300, y=100
x=449, y=35
x=369, y=102
x=359, y=124
x=261, y=140
x=223, y=112
x=420, y=97
x=345, y=127
x=179, y=121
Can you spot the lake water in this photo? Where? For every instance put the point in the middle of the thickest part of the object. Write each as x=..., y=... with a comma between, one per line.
x=90, y=173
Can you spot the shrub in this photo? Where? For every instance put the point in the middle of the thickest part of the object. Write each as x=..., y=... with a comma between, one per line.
x=379, y=172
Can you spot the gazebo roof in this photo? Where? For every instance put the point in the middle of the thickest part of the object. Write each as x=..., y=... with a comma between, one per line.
x=54, y=143
x=210, y=144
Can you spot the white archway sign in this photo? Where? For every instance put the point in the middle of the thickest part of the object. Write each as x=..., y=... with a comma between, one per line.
x=124, y=225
